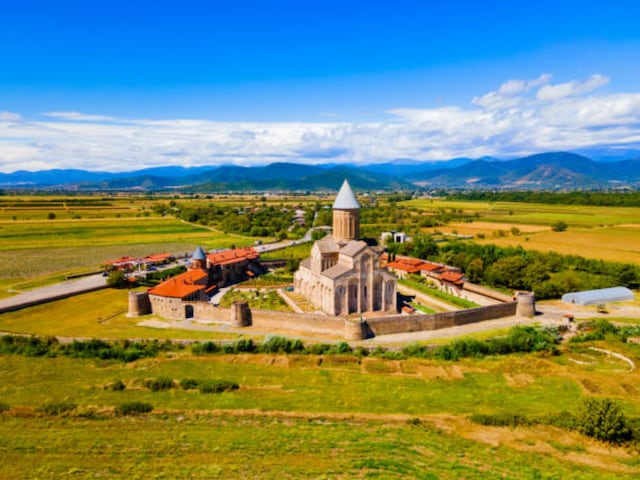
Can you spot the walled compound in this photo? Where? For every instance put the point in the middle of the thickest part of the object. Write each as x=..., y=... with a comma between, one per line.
x=344, y=279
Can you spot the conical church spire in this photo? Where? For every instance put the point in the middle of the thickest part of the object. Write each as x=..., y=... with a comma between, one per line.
x=346, y=199
x=346, y=215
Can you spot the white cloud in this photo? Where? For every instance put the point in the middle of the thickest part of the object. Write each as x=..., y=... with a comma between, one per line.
x=80, y=117
x=9, y=116
x=570, y=89
x=518, y=118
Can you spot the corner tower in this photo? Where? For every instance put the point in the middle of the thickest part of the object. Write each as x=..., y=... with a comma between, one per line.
x=346, y=215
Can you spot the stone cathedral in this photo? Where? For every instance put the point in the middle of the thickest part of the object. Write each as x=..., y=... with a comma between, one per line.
x=343, y=275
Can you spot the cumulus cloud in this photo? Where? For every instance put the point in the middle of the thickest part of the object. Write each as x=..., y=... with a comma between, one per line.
x=520, y=117
x=80, y=117
x=9, y=116
x=573, y=88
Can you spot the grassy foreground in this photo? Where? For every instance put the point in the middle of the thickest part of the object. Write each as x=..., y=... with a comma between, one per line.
x=310, y=416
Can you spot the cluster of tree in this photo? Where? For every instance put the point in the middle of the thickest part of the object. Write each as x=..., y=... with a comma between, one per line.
x=421, y=246
x=599, y=418
x=123, y=350
x=602, y=198
x=549, y=274
x=257, y=221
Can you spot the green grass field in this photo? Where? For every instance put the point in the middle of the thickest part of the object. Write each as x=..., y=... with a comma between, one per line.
x=296, y=416
x=53, y=248
x=99, y=314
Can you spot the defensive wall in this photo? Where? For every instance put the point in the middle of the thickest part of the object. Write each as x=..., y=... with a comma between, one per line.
x=350, y=328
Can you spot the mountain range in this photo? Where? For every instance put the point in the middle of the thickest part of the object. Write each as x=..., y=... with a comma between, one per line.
x=548, y=171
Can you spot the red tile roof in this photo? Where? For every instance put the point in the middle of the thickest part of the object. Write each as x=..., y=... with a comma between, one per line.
x=182, y=285
x=121, y=261
x=158, y=257
x=227, y=257
x=413, y=265
x=453, y=277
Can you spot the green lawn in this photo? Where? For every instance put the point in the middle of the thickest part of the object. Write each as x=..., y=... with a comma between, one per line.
x=170, y=446
x=97, y=314
x=296, y=416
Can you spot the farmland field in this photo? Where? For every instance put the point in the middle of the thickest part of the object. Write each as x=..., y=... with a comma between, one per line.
x=35, y=248
x=607, y=233
x=297, y=416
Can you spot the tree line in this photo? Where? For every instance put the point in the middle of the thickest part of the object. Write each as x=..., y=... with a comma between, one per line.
x=596, y=198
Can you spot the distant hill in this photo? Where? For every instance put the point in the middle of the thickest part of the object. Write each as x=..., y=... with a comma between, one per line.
x=543, y=171
x=553, y=170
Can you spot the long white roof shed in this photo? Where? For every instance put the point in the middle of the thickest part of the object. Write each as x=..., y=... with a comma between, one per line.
x=603, y=295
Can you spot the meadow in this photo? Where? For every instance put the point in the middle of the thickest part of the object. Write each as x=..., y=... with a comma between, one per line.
x=100, y=314
x=607, y=233
x=310, y=416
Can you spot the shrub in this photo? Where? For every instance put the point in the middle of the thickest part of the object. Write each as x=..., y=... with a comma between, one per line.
x=116, y=279
x=217, y=386
x=57, y=408
x=502, y=419
x=133, y=408
x=3, y=407
x=559, y=226
x=159, y=384
x=318, y=348
x=116, y=386
x=603, y=420
x=189, y=383
x=204, y=348
x=340, y=348
x=281, y=345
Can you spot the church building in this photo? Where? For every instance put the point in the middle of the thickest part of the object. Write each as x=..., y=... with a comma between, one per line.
x=343, y=274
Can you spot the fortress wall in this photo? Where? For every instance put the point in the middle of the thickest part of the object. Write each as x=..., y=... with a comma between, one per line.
x=298, y=321
x=207, y=311
x=486, y=292
x=421, y=322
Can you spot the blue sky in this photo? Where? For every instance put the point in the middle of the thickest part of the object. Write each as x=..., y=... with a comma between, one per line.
x=99, y=85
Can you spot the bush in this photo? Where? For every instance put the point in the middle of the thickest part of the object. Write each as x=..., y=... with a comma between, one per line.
x=133, y=408
x=281, y=345
x=57, y=408
x=159, y=384
x=3, y=407
x=603, y=420
x=559, y=226
x=116, y=386
x=502, y=419
x=204, y=348
x=217, y=386
x=116, y=279
x=189, y=383
x=340, y=348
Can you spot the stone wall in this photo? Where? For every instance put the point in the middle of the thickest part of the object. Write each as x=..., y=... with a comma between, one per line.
x=307, y=322
x=422, y=322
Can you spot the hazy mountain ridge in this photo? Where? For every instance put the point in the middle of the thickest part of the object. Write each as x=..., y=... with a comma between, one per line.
x=541, y=171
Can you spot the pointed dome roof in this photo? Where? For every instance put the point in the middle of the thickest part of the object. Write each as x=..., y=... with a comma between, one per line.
x=346, y=199
x=199, y=254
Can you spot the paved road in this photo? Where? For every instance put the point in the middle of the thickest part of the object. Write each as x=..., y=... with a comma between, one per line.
x=53, y=292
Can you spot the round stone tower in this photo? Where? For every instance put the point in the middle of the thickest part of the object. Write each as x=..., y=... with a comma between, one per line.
x=526, y=304
x=139, y=304
x=198, y=260
x=346, y=215
x=240, y=314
